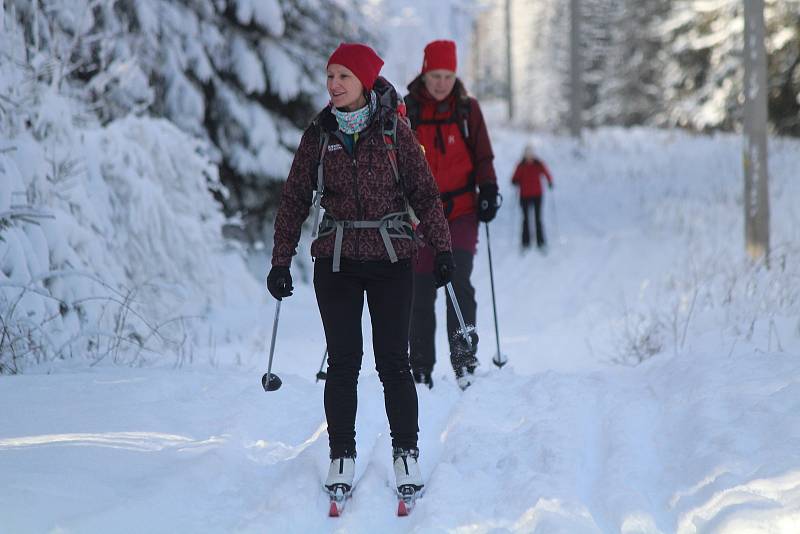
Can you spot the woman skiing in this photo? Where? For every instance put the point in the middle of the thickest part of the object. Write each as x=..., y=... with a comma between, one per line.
x=367, y=169
x=449, y=124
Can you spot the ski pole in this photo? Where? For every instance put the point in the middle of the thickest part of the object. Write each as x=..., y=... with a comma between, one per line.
x=555, y=215
x=464, y=331
x=322, y=375
x=269, y=381
x=515, y=215
x=499, y=359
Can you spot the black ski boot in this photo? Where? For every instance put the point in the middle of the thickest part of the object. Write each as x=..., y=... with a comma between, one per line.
x=464, y=360
x=423, y=377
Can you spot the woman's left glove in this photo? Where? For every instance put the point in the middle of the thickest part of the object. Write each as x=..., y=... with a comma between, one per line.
x=487, y=202
x=279, y=282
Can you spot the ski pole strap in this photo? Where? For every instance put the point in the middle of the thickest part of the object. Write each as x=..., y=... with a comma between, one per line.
x=392, y=226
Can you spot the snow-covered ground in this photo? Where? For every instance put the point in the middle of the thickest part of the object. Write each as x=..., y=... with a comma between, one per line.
x=575, y=435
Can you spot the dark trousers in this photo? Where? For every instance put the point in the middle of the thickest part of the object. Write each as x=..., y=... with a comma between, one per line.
x=537, y=216
x=340, y=296
x=423, y=318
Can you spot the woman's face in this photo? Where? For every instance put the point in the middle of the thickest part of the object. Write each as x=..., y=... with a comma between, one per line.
x=345, y=89
x=439, y=83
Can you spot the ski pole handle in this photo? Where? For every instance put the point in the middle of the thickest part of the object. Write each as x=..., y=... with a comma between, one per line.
x=452, y=293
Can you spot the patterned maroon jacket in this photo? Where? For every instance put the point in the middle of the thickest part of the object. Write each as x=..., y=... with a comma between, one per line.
x=359, y=186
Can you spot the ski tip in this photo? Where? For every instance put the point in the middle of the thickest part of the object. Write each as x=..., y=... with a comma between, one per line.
x=402, y=511
x=334, y=511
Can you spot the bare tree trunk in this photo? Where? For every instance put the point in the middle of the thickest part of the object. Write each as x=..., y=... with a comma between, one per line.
x=756, y=185
x=576, y=82
x=509, y=64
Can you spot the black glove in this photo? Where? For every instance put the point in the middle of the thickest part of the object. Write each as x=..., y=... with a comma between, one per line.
x=487, y=202
x=279, y=282
x=443, y=267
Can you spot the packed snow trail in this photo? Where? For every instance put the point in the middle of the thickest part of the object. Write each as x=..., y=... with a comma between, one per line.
x=568, y=437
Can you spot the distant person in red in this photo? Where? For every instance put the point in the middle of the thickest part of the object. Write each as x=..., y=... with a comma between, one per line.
x=528, y=177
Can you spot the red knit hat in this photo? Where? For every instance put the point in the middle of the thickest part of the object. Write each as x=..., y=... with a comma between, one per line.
x=440, y=55
x=360, y=59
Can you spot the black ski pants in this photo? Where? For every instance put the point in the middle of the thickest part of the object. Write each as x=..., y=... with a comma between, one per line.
x=423, y=318
x=526, y=204
x=340, y=296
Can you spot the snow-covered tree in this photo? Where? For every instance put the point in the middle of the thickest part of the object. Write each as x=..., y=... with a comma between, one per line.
x=110, y=240
x=703, y=63
x=245, y=75
x=783, y=70
x=110, y=244
x=661, y=62
x=624, y=72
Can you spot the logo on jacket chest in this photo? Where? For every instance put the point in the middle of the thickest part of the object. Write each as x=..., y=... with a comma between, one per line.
x=451, y=139
x=334, y=148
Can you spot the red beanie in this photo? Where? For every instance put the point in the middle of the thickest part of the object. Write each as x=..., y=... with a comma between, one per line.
x=440, y=55
x=360, y=59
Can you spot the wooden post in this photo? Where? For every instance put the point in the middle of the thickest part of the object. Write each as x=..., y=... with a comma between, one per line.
x=756, y=184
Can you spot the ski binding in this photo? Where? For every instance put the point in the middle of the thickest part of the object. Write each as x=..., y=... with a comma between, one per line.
x=407, y=497
x=339, y=493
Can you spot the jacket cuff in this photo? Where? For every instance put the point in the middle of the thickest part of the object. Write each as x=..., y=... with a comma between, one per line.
x=278, y=261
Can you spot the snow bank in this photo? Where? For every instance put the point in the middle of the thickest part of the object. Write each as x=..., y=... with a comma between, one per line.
x=110, y=241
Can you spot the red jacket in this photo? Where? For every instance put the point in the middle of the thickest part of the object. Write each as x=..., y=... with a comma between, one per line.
x=528, y=177
x=457, y=164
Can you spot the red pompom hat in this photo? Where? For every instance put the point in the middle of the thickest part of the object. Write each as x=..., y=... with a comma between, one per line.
x=360, y=59
x=440, y=55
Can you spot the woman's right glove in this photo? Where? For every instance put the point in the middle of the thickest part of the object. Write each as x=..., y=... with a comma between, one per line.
x=443, y=267
x=279, y=282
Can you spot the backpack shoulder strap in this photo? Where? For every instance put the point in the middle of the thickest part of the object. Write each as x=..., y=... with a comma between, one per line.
x=390, y=139
x=412, y=111
x=463, y=111
x=324, y=138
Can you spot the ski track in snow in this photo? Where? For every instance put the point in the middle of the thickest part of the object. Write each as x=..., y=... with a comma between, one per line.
x=561, y=440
